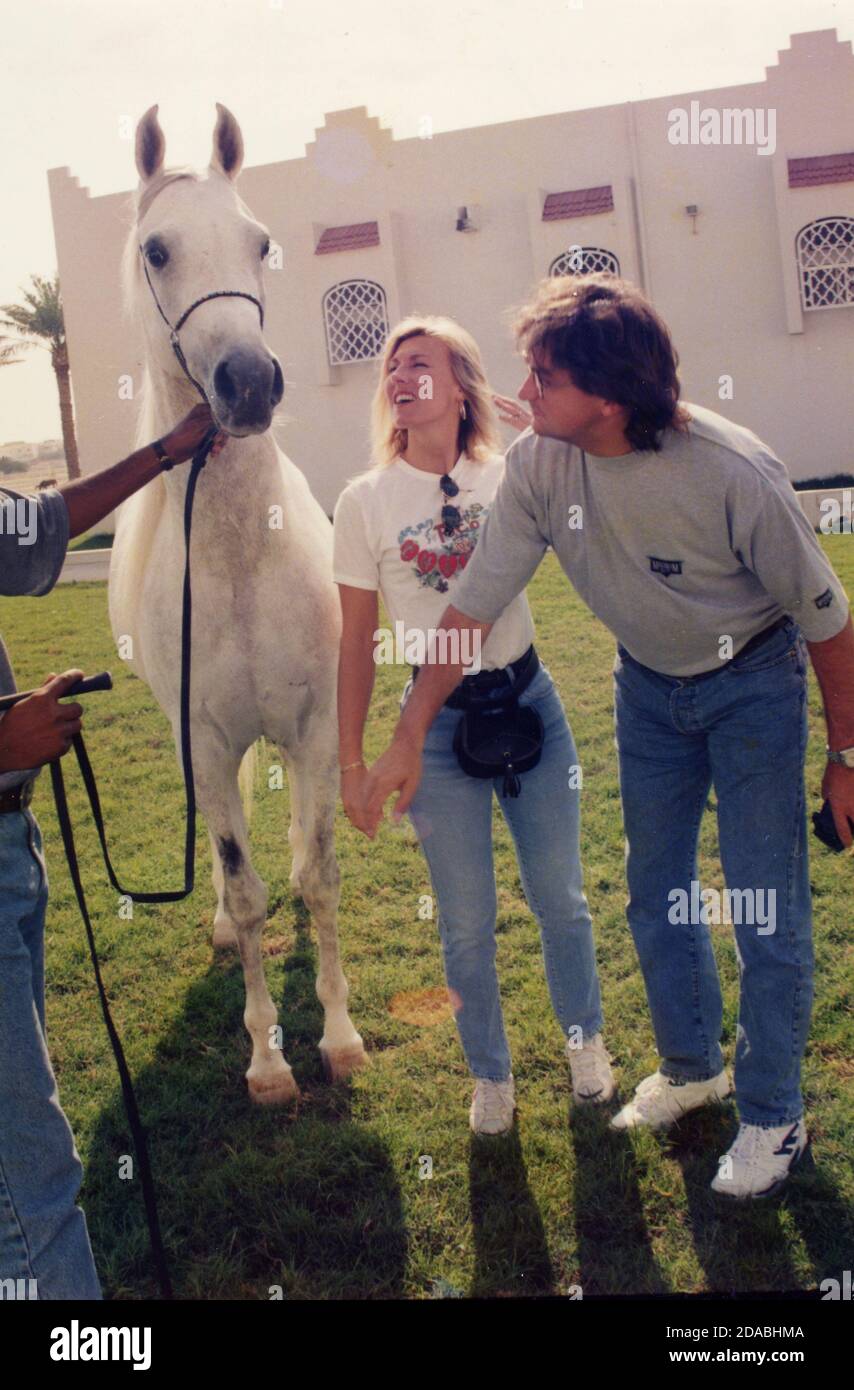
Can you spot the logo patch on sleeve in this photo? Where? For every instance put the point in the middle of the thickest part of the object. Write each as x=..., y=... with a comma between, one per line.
x=824, y=600
x=664, y=566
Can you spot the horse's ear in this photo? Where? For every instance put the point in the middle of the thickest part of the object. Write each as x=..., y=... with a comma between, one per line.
x=150, y=145
x=227, y=154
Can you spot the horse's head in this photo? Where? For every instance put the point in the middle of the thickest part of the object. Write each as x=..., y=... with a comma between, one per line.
x=197, y=236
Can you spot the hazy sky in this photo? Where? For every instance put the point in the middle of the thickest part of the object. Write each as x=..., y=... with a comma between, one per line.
x=78, y=72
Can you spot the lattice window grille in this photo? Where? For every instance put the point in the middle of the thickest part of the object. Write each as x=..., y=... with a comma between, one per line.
x=356, y=321
x=583, y=260
x=825, y=251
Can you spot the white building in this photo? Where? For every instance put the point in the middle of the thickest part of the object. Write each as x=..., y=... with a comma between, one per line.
x=19, y=450
x=745, y=244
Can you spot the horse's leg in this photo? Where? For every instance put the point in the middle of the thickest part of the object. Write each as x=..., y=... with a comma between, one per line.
x=296, y=830
x=313, y=776
x=244, y=906
x=224, y=933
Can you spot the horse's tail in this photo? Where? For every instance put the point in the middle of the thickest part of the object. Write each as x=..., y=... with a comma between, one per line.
x=246, y=779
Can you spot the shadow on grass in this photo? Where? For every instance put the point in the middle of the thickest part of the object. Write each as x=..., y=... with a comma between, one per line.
x=511, y=1251
x=615, y=1254
x=250, y=1197
x=745, y=1246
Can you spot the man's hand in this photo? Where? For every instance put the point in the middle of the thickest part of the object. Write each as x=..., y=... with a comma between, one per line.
x=39, y=729
x=838, y=788
x=398, y=769
x=182, y=442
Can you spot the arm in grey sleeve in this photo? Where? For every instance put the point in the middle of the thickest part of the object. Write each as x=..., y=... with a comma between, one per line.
x=33, y=541
x=509, y=549
x=773, y=538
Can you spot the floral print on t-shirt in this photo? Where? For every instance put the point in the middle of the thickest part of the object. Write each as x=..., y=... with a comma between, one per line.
x=433, y=556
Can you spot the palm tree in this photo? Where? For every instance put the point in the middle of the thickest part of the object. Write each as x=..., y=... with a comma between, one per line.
x=39, y=323
x=8, y=352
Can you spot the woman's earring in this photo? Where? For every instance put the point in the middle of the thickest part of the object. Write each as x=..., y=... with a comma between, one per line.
x=462, y=410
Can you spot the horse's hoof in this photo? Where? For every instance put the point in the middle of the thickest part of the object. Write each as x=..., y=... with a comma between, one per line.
x=281, y=1090
x=341, y=1062
x=224, y=937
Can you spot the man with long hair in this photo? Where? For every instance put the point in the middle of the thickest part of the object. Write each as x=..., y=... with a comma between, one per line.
x=683, y=534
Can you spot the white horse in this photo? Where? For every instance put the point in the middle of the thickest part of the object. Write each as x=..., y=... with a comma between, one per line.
x=265, y=613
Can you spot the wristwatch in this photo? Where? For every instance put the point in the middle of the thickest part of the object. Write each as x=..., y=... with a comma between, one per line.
x=845, y=756
x=165, y=461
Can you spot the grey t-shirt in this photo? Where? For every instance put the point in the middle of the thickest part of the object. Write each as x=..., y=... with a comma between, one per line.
x=33, y=542
x=672, y=550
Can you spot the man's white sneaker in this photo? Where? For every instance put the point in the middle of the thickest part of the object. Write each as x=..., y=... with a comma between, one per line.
x=590, y=1065
x=492, y=1107
x=659, y=1100
x=760, y=1160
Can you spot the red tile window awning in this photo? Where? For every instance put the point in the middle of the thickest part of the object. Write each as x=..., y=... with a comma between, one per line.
x=578, y=202
x=351, y=238
x=821, y=168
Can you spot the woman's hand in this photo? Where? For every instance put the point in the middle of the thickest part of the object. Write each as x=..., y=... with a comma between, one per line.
x=398, y=769
x=353, y=797
x=184, y=439
x=512, y=413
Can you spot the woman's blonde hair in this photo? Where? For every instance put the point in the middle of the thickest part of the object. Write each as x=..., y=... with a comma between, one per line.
x=478, y=435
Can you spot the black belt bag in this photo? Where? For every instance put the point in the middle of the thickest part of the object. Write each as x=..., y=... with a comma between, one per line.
x=496, y=735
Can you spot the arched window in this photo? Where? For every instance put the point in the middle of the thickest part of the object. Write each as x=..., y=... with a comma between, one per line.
x=583, y=260
x=825, y=251
x=356, y=320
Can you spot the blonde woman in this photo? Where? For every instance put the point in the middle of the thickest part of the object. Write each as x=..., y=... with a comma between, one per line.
x=406, y=529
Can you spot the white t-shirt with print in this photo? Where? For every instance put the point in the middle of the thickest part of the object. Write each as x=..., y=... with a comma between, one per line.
x=389, y=536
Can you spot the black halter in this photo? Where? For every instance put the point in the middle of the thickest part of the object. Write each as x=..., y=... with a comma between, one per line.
x=174, y=331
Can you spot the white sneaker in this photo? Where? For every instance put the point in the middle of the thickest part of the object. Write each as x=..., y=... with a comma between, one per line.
x=760, y=1160
x=590, y=1065
x=492, y=1107
x=659, y=1100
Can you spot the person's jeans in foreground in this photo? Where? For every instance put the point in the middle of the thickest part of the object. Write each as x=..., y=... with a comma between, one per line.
x=743, y=730
x=452, y=816
x=43, y=1236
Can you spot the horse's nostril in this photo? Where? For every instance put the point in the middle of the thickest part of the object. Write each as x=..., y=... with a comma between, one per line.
x=248, y=384
x=224, y=385
x=278, y=383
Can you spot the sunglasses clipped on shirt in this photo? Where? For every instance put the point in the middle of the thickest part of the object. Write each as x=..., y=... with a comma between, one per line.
x=450, y=515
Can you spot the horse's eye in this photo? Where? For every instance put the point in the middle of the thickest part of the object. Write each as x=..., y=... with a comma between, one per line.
x=265, y=250
x=156, y=255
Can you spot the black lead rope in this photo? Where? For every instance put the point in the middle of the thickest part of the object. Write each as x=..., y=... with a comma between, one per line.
x=131, y=1108
x=199, y=460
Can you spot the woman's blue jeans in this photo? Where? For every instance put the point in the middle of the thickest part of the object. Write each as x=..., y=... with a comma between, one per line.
x=44, y=1245
x=452, y=816
x=743, y=730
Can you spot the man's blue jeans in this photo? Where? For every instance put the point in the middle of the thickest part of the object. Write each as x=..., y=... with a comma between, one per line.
x=452, y=816
x=743, y=730
x=43, y=1236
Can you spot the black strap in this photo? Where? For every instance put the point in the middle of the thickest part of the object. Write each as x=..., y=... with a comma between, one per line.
x=175, y=895
x=131, y=1108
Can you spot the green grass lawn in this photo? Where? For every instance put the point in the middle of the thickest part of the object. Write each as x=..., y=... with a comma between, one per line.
x=92, y=540
x=326, y=1199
